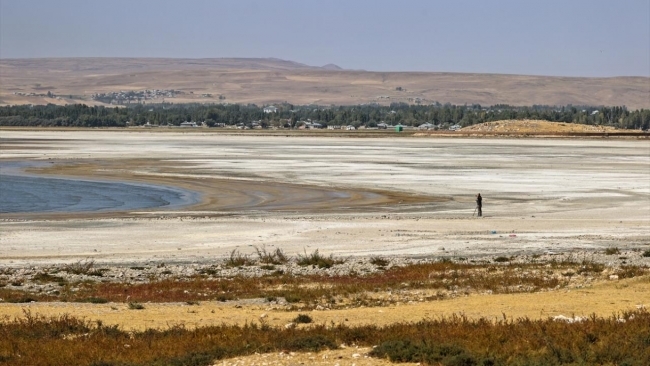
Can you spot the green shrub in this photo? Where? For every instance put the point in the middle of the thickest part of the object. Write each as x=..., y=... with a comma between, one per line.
x=311, y=343
x=46, y=277
x=316, y=259
x=197, y=358
x=238, y=260
x=302, y=319
x=379, y=261
x=612, y=251
x=424, y=352
x=80, y=267
x=630, y=271
x=224, y=298
x=21, y=300
x=291, y=298
x=94, y=300
x=275, y=257
x=135, y=306
x=591, y=267
x=209, y=271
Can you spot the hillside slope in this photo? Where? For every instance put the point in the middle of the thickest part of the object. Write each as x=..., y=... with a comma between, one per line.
x=535, y=126
x=266, y=81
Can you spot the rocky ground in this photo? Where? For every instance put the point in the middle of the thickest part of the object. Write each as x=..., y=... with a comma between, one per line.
x=48, y=279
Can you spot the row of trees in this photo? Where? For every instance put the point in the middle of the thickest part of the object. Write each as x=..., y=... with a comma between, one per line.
x=80, y=115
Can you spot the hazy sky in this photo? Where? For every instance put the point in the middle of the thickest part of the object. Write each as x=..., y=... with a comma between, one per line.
x=542, y=37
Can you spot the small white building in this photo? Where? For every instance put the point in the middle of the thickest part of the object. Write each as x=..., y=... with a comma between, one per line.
x=188, y=124
x=270, y=109
x=350, y=128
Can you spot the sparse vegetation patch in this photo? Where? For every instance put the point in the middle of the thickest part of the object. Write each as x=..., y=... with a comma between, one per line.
x=303, y=319
x=238, y=259
x=135, y=306
x=273, y=257
x=623, y=339
x=318, y=260
x=437, y=280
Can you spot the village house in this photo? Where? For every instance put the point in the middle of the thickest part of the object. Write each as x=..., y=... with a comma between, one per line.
x=270, y=109
x=314, y=125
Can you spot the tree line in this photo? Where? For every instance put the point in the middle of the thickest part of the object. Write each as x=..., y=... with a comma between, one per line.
x=288, y=115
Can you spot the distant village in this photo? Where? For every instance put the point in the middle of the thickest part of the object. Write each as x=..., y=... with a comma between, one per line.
x=125, y=97
x=47, y=95
x=181, y=113
x=307, y=125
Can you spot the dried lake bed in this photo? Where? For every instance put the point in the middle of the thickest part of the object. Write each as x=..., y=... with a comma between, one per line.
x=390, y=196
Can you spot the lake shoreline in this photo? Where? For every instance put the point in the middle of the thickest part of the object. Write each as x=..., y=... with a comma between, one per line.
x=23, y=179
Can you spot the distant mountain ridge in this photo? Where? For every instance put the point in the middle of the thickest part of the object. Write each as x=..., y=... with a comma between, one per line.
x=273, y=80
x=126, y=63
x=331, y=67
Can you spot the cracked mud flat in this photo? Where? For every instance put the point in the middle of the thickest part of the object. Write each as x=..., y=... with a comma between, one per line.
x=347, y=197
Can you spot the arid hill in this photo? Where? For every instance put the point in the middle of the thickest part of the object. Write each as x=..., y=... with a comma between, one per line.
x=267, y=81
x=536, y=126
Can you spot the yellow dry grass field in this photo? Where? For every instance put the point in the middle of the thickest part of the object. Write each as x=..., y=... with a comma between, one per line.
x=263, y=81
x=603, y=298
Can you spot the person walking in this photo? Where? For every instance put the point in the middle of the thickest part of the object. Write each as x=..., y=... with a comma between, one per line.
x=479, y=205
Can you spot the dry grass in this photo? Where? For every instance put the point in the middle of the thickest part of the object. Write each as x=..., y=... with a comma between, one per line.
x=80, y=267
x=64, y=340
x=274, y=257
x=317, y=260
x=238, y=259
x=623, y=338
x=535, y=126
x=612, y=251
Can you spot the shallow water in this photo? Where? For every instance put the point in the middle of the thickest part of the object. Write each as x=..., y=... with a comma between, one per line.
x=27, y=193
